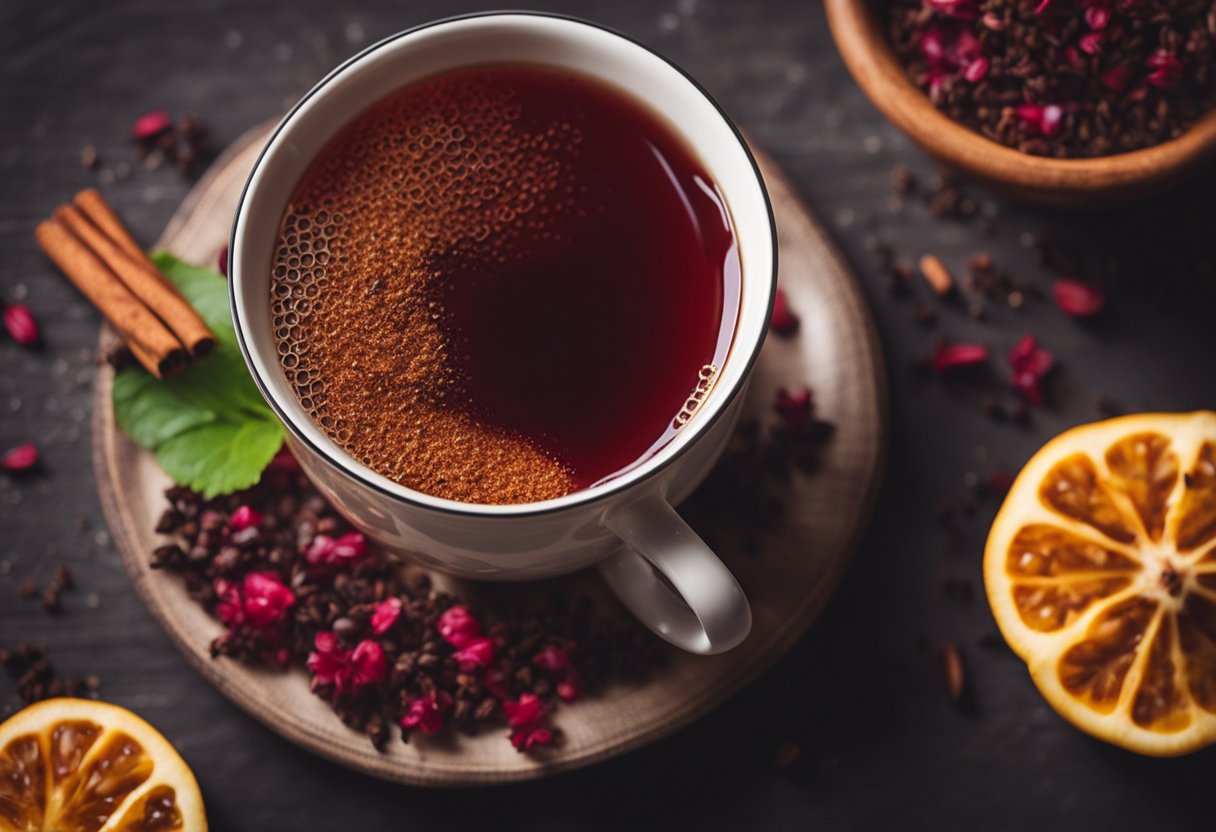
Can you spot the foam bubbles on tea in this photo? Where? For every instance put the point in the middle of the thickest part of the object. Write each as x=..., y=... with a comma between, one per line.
x=503, y=284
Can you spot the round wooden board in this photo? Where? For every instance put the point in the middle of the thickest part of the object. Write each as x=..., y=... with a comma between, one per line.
x=788, y=581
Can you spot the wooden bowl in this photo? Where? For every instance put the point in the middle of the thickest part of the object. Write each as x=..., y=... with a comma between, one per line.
x=1066, y=183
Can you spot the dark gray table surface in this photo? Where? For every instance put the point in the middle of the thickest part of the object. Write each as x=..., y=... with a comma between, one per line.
x=882, y=746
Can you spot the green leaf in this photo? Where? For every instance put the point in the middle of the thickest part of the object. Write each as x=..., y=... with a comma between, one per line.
x=209, y=426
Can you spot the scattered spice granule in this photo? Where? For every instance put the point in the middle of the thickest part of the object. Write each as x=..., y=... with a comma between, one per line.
x=30, y=667
x=1066, y=78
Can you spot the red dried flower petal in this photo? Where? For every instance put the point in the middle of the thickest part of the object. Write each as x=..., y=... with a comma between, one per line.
x=478, y=652
x=794, y=406
x=1116, y=78
x=568, y=689
x=368, y=663
x=525, y=738
x=1031, y=364
x=783, y=320
x=1043, y=6
x=993, y=21
x=976, y=70
x=222, y=261
x=327, y=553
x=385, y=615
x=20, y=323
x=960, y=9
x=552, y=658
x=150, y=125
x=1091, y=43
x=1166, y=70
x=495, y=681
x=327, y=662
x=950, y=357
x=245, y=517
x=525, y=712
x=1097, y=16
x=20, y=459
x=425, y=714
x=1080, y=300
x=267, y=599
x=458, y=626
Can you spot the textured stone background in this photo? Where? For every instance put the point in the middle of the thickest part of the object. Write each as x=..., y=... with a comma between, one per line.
x=882, y=747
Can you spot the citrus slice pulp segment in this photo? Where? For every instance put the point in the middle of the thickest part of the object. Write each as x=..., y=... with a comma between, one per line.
x=1145, y=468
x=73, y=765
x=1101, y=571
x=1074, y=489
x=22, y=784
x=1197, y=511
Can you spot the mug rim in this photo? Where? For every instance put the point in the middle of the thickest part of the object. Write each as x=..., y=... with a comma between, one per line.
x=578, y=499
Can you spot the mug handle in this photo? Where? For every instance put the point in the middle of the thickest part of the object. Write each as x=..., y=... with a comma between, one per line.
x=710, y=613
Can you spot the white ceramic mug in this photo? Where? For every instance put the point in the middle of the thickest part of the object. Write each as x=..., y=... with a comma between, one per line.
x=626, y=525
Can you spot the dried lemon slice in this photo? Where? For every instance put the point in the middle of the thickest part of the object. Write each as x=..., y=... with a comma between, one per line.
x=1101, y=572
x=74, y=765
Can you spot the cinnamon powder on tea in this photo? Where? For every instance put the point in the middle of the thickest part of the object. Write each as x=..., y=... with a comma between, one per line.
x=443, y=168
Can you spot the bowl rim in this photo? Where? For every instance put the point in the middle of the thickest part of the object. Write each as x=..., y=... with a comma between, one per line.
x=856, y=30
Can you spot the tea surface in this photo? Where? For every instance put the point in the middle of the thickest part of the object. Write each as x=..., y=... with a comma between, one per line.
x=500, y=285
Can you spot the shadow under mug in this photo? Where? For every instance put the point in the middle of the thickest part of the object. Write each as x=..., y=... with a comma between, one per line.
x=627, y=525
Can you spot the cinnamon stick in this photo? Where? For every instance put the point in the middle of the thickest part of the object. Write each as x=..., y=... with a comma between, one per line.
x=148, y=337
x=93, y=205
x=143, y=279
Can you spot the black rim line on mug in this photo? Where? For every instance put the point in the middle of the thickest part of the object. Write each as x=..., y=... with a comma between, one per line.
x=592, y=494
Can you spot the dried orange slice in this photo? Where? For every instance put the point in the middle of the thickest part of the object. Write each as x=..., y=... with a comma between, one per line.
x=1101, y=572
x=74, y=765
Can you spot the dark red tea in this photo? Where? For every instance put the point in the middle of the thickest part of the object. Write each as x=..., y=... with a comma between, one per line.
x=503, y=284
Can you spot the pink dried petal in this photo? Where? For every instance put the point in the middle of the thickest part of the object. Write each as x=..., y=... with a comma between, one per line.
x=1031, y=364
x=1116, y=78
x=320, y=551
x=783, y=320
x=222, y=261
x=228, y=608
x=245, y=517
x=950, y=357
x=965, y=48
x=1091, y=43
x=932, y=47
x=1042, y=120
x=976, y=70
x=525, y=738
x=20, y=323
x=20, y=459
x=458, y=626
x=552, y=658
x=961, y=9
x=1080, y=300
x=476, y=653
x=150, y=125
x=327, y=662
x=1043, y=6
x=1097, y=16
x=425, y=714
x=993, y=21
x=368, y=663
x=349, y=547
x=1166, y=70
x=569, y=689
x=385, y=615
x=527, y=711
x=495, y=681
x=267, y=599
x=1049, y=124
x=794, y=406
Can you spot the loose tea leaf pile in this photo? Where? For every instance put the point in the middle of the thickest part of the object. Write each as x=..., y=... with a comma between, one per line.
x=294, y=585
x=1063, y=78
